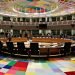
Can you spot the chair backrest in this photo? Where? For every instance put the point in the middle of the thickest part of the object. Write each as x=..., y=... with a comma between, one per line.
x=10, y=45
x=67, y=45
x=1, y=45
x=34, y=46
x=21, y=45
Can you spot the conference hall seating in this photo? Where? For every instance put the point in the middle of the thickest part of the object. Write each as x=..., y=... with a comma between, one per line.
x=34, y=49
x=1, y=46
x=66, y=50
x=10, y=48
x=38, y=47
x=22, y=50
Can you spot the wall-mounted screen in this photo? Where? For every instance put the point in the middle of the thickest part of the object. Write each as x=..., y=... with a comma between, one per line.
x=42, y=26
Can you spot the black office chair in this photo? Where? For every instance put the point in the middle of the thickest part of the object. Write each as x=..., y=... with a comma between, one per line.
x=22, y=49
x=73, y=50
x=34, y=47
x=1, y=47
x=67, y=48
x=10, y=48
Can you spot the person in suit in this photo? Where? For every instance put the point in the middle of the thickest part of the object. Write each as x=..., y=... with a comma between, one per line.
x=6, y=34
x=9, y=36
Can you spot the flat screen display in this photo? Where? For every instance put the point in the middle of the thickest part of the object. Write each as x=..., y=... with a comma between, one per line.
x=42, y=26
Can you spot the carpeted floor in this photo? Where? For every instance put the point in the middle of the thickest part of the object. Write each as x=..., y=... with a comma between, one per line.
x=52, y=66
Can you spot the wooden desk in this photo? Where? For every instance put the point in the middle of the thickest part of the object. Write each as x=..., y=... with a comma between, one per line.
x=51, y=44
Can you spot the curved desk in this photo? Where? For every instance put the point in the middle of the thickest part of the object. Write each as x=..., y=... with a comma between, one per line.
x=48, y=47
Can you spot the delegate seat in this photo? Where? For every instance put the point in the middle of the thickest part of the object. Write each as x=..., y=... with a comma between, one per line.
x=10, y=48
x=1, y=47
x=34, y=49
x=66, y=49
x=73, y=50
x=22, y=50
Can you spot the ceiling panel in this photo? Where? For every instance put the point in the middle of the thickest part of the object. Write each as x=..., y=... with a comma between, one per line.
x=35, y=8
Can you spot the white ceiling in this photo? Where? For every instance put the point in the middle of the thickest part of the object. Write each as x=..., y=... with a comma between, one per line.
x=36, y=8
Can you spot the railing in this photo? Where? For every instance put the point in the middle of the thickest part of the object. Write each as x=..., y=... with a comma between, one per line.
x=68, y=22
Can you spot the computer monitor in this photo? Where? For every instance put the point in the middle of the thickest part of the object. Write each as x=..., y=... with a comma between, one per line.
x=42, y=26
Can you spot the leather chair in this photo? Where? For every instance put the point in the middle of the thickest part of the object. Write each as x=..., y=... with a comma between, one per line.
x=34, y=49
x=10, y=48
x=67, y=48
x=22, y=49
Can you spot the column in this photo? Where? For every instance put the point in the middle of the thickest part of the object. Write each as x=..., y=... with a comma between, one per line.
x=48, y=31
x=72, y=32
x=61, y=32
x=20, y=33
x=40, y=31
x=11, y=31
